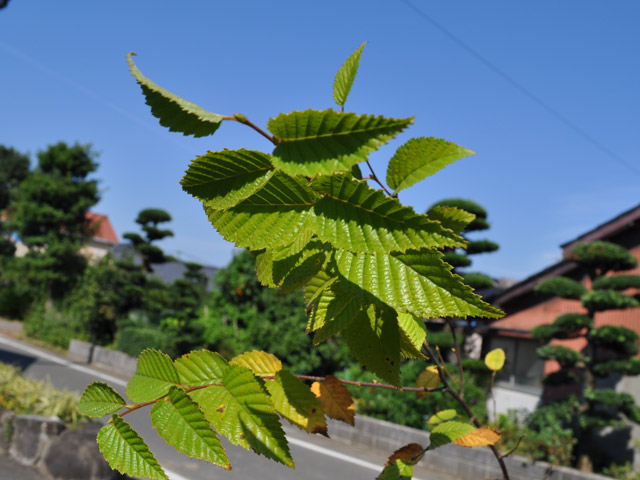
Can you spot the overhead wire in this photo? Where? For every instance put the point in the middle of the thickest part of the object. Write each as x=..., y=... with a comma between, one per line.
x=522, y=89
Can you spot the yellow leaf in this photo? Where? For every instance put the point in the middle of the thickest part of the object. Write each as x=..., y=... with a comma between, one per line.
x=481, y=437
x=495, y=359
x=428, y=378
x=410, y=454
x=260, y=363
x=335, y=399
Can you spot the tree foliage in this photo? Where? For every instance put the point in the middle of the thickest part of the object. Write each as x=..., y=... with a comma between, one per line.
x=370, y=268
x=610, y=348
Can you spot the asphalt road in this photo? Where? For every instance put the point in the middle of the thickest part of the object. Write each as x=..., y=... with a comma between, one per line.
x=316, y=457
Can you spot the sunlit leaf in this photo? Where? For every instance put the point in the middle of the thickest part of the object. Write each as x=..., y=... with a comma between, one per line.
x=242, y=412
x=353, y=216
x=200, y=367
x=335, y=399
x=448, y=432
x=126, y=452
x=481, y=437
x=155, y=375
x=260, y=363
x=495, y=359
x=419, y=158
x=415, y=282
x=223, y=179
x=295, y=402
x=455, y=219
x=99, y=399
x=314, y=142
x=181, y=423
x=428, y=378
x=345, y=76
x=316, y=285
x=175, y=113
x=272, y=217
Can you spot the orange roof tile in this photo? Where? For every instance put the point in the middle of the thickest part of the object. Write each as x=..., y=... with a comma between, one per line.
x=103, y=229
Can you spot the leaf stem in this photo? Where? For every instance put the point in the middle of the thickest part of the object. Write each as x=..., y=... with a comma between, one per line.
x=144, y=404
x=239, y=117
x=375, y=178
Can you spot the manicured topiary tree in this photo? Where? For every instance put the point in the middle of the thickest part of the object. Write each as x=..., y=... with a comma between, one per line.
x=460, y=258
x=609, y=349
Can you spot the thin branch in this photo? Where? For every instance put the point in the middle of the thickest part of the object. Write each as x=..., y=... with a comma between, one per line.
x=144, y=404
x=244, y=120
x=504, y=455
x=447, y=388
x=374, y=177
x=370, y=384
x=458, y=356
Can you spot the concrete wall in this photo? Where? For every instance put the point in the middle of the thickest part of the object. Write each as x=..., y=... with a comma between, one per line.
x=511, y=398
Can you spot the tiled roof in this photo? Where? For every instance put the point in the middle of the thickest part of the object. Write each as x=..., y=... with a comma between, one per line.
x=103, y=228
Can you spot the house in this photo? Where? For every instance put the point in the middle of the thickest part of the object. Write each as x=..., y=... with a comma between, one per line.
x=520, y=384
x=103, y=237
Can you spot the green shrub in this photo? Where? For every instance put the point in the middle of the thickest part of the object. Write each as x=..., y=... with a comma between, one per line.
x=133, y=340
x=26, y=396
x=56, y=325
x=604, y=256
x=563, y=355
x=548, y=440
x=617, y=282
x=620, y=339
x=562, y=287
x=600, y=300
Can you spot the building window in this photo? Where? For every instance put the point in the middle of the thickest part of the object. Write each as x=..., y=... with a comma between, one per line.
x=523, y=366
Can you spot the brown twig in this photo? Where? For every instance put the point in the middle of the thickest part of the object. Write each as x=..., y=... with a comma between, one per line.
x=458, y=356
x=374, y=177
x=144, y=404
x=370, y=384
x=472, y=418
x=504, y=455
x=245, y=121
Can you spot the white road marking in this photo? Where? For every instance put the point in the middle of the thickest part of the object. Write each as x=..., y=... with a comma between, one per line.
x=174, y=475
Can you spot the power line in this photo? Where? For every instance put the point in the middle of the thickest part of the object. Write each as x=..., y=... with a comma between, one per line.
x=518, y=86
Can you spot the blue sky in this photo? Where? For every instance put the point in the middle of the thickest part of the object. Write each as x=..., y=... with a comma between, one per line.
x=545, y=92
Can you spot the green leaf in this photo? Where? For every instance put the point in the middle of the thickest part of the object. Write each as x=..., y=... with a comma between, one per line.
x=455, y=219
x=180, y=422
x=442, y=416
x=100, y=399
x=243, y=413
x=126, y=452
x=373, y=338
x=223, y=179
x=272, y=217
x=412, y=335
x=419, y=158
x=260, y=363
x=295, y=402
x=314, y=142
x=356, y=217
x=175, y=113
x=448, y=432
x=155, y=374
x=417, y=282
x=397, y=470
x=294, y=271
x=345, y=76
x=335, y=310
x=200, y=367
x=316, y=285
